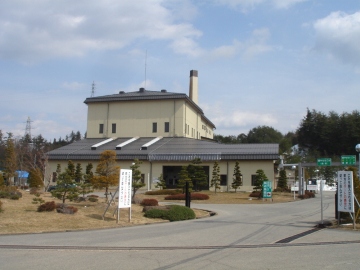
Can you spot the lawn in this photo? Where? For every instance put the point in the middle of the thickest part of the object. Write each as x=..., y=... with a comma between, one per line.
x=21, y=216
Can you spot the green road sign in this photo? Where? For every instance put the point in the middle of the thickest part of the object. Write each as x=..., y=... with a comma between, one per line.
x=324, y=161
x=266, y=189
x=348, y=160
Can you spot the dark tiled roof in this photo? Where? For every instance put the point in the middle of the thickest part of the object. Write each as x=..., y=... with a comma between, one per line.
x=167, y=149
x=146, y=95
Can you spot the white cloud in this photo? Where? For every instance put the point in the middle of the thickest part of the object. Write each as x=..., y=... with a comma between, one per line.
x=245, y=5
x=35, y=30
x=255, y=45
x=339, y=36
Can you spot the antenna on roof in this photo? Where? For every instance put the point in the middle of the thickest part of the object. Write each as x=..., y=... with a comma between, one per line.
x=145, y=67
x=93, y=89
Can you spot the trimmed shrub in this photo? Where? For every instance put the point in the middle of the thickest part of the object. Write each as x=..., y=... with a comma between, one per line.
x=92, y=199
x=149, y=202
x=156, y=213
x=47, y=207
x=92, y=196
x=164, y=192
x=10, y=193
x=65, y=209
x=255, y=194
x=310, y=194
x=177, y=212
x=173, y=213
x=193, y=196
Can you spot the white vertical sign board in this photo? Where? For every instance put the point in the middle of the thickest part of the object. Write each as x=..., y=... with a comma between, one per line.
x=125, y=184
x=345, y=192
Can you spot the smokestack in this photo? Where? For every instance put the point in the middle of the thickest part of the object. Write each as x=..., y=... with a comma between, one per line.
x=193, y=89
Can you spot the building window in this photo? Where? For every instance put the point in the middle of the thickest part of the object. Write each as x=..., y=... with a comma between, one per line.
x=54, y=177
x=154, y=128
x=113, y=128
x=167, y=127
x=101, y=128
x=143, y=178
x=223, y=180
x=253, y=179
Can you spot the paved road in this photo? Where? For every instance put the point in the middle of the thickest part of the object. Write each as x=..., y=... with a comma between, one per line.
x=271, y=236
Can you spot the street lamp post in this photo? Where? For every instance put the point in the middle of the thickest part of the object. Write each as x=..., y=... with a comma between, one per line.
x=357, y=148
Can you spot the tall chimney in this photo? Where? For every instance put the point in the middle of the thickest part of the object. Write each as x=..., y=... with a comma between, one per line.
x=193, y=89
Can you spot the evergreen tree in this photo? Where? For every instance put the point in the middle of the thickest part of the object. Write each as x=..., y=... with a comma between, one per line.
x=107, y=172
x=137, y=182
x=183, y=178
x=259, y=179
x=161, y=183
x=282, y=182
x=10, y=159
x=84, y=185
x=215, y=180
x=237, y=177
x=197, y=174
x=65, y=185
x=35, y=178
x=78, y=174
x=2, y=182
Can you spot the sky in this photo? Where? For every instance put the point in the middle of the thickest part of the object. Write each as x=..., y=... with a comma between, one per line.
x=260, y=62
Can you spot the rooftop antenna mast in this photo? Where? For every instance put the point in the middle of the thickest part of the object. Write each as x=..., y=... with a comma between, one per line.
x=93, y=89
x=145, y=67
x=28, y=127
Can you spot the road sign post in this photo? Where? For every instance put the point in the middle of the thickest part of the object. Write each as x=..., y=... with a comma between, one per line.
x=348, y=160
x=324, y=161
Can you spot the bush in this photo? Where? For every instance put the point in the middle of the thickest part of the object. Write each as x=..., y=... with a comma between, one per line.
x=1, y=207
x=92, y=199
x=174, y=213
x=47, y=207
x=178, y=212
x=14, y=197
x=164, y=192
x=307, y=195
x=149, y=202
x=193, y=196
x=65, y=209
x=255, y=194
x=92, y=196
x=156, y=213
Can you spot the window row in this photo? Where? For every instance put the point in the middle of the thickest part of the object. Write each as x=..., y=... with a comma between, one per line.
x=154, y=127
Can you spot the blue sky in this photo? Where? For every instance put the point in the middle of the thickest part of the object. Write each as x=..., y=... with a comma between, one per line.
x=260, y=62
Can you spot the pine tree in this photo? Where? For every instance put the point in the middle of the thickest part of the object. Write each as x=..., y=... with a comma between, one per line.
x=215, y=180
x=10, y=159
x=137, y=182
x=35, y=178
x=183, y=178
x=65, y=185
x=78, y=175
x=107, y=172
x=237, y=177
x=259, y=179
x=85, y=185
x=161, y=183
x=197, y=174
x=282, y=182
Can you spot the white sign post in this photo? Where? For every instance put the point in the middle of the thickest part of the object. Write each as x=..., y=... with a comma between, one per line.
x=345, y=193
x=125, y=186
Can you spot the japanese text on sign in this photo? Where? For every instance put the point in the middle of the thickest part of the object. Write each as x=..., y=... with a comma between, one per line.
x=125, y=184
x=345, y=191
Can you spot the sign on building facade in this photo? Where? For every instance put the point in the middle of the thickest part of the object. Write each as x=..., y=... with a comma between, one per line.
x=345, y=192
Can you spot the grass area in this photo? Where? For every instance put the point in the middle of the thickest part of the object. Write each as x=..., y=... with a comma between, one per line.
x=21, y=216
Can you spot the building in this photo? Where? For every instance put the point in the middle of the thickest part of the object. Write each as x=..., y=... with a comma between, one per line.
x=165, y=131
